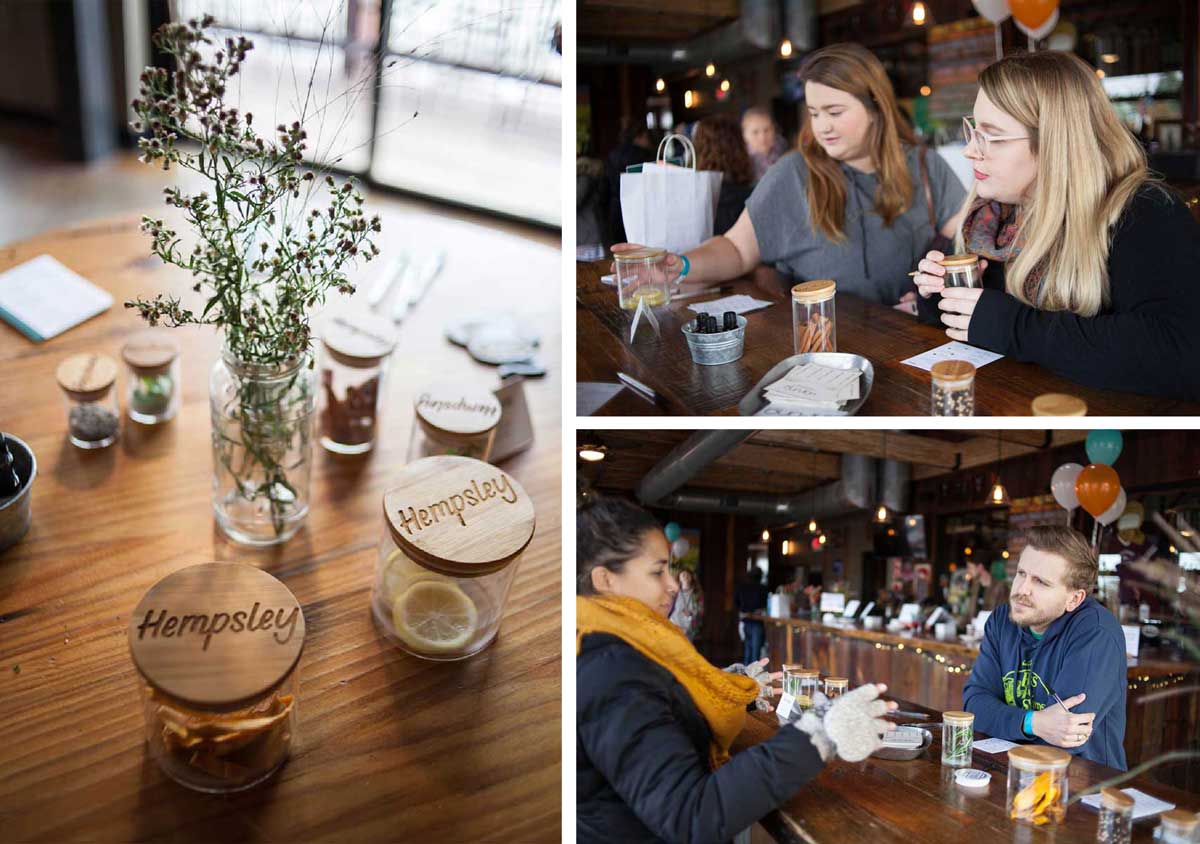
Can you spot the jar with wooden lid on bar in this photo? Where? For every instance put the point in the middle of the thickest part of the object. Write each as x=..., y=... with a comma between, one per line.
x=93, y=410
x=1178, y=827
x=962, y=271
x=814, y=319
x=454, y=531
x=1037, y=784
x=456, y=420
x=1115, y=823
x=953, y=388
x=642, y=277
x=1058, y=404
x=835, y=687
x=356, y=347
x=152, y=376
x=958, y=738
x=217, y=647
x=807, y=684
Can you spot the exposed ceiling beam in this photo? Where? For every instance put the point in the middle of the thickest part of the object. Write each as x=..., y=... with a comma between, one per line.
x=981, y=450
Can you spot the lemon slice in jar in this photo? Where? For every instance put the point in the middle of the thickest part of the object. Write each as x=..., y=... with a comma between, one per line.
x=434, y=616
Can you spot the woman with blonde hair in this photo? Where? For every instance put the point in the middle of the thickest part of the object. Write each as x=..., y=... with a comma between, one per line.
x=655, y=720
x=851, y=204
x=1092, y=263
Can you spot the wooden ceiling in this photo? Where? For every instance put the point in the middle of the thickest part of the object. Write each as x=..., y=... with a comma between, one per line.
x=790, y=462
x=646, y=22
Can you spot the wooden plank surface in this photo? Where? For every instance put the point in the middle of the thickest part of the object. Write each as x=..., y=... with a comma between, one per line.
x=882, y=335
x=881, y=801
x=389, y=747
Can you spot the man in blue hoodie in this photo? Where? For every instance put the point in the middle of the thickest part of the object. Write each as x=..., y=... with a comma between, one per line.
x=1051, y=637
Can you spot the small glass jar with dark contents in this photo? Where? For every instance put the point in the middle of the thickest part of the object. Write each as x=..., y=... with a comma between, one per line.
x=962, y=271
x=93, y=410
x=356, y=347
x=952, y=391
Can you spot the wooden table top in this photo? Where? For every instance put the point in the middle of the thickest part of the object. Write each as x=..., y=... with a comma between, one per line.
x=389, y=746
x=881, y=801
x=879, y=333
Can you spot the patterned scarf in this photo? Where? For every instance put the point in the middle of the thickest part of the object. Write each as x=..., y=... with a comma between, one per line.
x=720, y=697
x=990, y=231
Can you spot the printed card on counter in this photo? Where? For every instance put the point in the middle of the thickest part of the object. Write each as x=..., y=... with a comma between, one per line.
x=994, y=745
x=784, y=709
x=41, y=298
x=739, y=304
x=811, y=389
x=1143, y=804
x=954, y=350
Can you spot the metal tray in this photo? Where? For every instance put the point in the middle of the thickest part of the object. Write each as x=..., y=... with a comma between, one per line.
x=753, y=402
x=900, y=754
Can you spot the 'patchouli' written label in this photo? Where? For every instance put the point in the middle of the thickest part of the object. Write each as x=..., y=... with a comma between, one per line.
x=415, y=519
x=214, y=624
x=437, y=404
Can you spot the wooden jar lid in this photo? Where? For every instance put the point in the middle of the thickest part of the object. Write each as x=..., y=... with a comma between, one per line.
x=458, y=516
x=1058, y=404
x=87, y=376
x=952, y=371
x=216, y=635
x=356, y=337
x=457, y=410
x=1181, y=819
x=150, y=352
x=838, y=681
x=958, y=718
x=1037, y=757
x=646, y=253
x=964, y=259
x=1116, y=799
x=812, y=292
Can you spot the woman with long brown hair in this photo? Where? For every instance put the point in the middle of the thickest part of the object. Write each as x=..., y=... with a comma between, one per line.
x=1092, y=263
x=720, y=148
x=850, y=204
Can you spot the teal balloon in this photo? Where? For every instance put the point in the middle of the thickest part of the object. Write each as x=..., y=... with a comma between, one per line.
x=1104, y=446
x=672, y=531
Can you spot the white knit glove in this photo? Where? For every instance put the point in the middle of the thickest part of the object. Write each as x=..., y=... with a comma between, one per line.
x=756, y=671
x=854, y=723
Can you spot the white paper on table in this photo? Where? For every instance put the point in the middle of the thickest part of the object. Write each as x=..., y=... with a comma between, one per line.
x=954, y=350
x=1143, y=804
x=41, y=298
x=739, y=304
x=786, y=702
x=813, y=383
x=994, y=745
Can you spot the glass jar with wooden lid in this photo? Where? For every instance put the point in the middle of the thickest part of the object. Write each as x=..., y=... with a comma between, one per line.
x=835, y=687
x=1058, y=404
x=356, y=346
x=217, y=648
x=1178, y=827
x=1037, y=784
x=454, y=529
x=642, y=278
x=958, y=738
x=454, y=419
x=962, y=271
x=152, y=376
x=952, y=390
x=1115, y=823
x=93, y=410
x=814, y=320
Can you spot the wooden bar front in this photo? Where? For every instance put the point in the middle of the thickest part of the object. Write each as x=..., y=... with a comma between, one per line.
x=881, y=802
x=933, y=674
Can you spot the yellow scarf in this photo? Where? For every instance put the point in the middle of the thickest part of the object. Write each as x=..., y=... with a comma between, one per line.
x=720, y=697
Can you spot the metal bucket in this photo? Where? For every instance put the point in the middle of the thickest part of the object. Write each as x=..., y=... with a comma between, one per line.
x=15, y=512
x=715, y=349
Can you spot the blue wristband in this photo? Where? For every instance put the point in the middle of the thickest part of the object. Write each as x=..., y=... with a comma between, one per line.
x=1027, y=725
x=687, y=267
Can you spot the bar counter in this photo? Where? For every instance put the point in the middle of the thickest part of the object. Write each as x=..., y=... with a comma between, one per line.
x=881, y=801
x=932, y=673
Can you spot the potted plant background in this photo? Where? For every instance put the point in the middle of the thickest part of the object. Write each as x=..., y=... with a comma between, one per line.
x=263, y=252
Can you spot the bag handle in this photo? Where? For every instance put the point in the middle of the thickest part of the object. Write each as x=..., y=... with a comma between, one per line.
x=688, y=147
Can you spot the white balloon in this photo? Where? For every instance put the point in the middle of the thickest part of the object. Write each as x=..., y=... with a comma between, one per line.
x=680, y=547
x=1063, y=37
x=1043, y=30
x=1062, y=484
x=996, y=11
x=1114, y=512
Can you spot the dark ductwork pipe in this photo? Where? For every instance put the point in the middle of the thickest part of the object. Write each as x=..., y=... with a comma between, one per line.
x=800, y=24
x=686, y=460
x=855, y=490
x=893, y=485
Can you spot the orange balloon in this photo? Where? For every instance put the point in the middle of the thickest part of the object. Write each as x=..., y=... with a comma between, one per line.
x=1032, y=13
x=1097, y=488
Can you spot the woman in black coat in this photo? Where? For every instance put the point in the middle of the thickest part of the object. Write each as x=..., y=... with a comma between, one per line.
x=654, y=719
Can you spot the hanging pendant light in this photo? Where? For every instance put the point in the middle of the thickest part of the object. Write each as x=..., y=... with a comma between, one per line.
x=882, y=516
x=998, y=495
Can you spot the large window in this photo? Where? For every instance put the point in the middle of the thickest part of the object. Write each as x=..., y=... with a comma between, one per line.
x=468, y=105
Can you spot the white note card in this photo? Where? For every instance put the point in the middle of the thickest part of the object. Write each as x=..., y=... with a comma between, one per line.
x=1133, y=638
x=953, y=350
x=41, y=298
x=786, y=702
x=1143, y=804
x=739, y=304
x=994, y=745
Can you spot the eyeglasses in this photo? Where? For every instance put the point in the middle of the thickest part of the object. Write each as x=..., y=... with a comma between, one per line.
x=982, y=139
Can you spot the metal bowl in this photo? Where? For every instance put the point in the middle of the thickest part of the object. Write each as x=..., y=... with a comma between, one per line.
x=901, y=754
x=754, y=403
x=716, y=349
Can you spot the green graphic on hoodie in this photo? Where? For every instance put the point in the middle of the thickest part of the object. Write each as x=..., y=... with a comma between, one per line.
x=1019, y=685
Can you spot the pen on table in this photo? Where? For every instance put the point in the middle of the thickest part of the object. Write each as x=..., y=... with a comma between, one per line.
x=638, y=388
x=900, y=713
x=724, y=288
